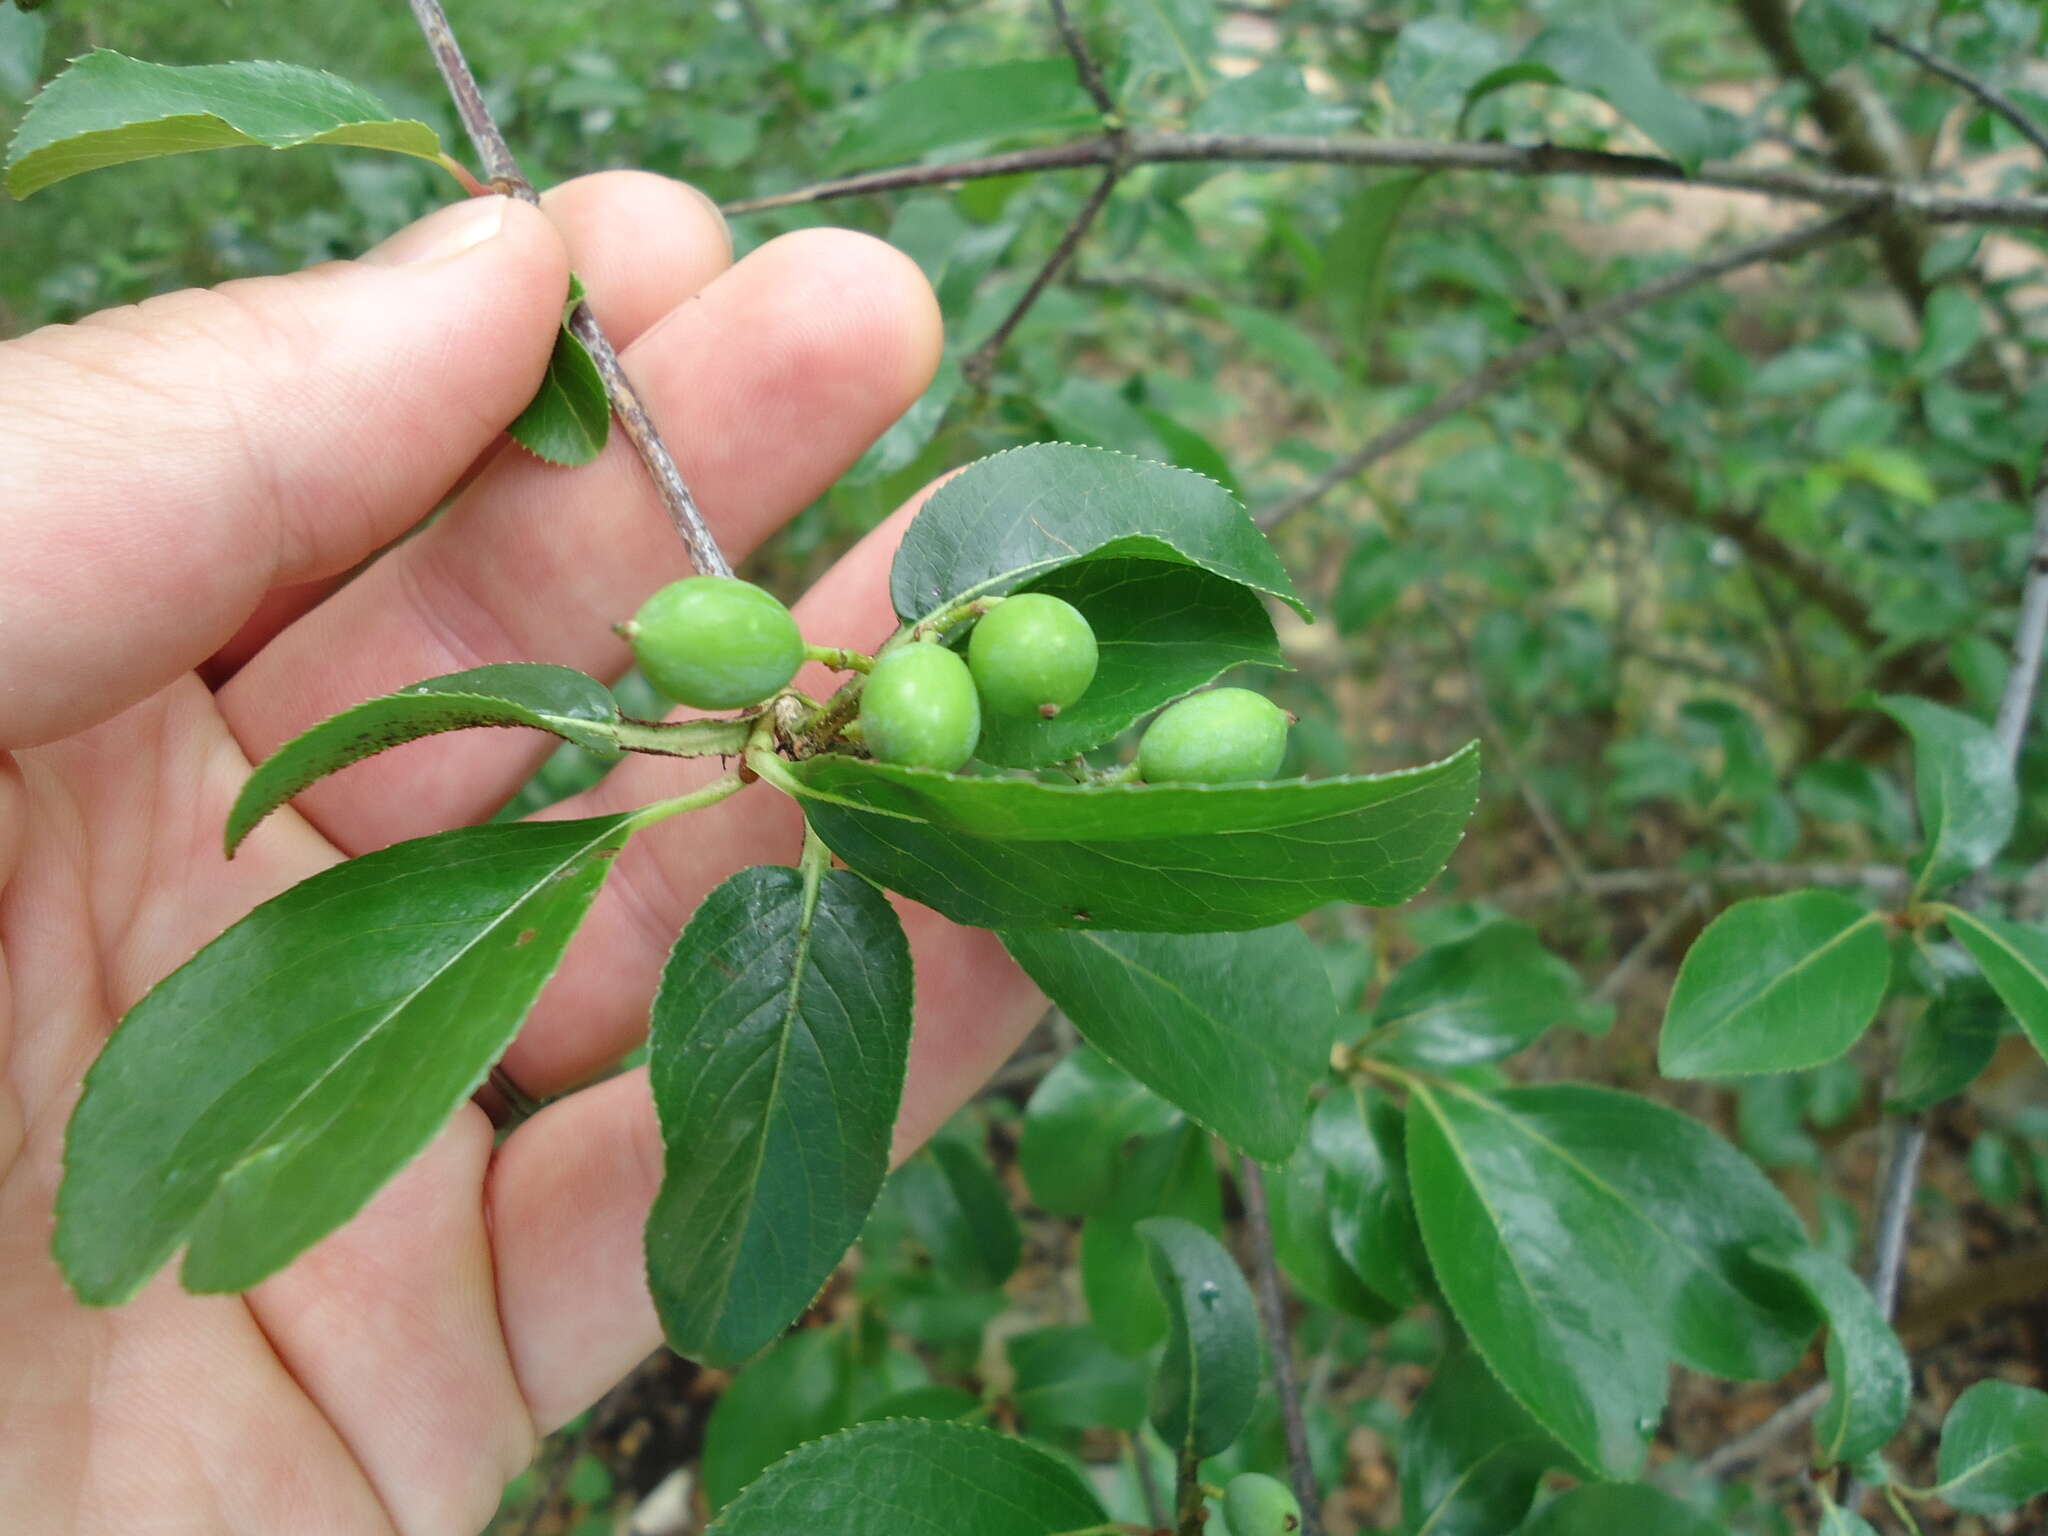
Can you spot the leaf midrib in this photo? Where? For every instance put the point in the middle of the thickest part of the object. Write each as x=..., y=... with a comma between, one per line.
x=1756, y=999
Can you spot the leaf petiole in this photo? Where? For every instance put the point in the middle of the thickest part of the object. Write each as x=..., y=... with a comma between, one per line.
x=717, y=790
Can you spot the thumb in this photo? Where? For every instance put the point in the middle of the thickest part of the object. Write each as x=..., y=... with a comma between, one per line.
x=170, y=463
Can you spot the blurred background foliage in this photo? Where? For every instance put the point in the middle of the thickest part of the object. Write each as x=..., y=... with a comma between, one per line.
x=1658, y=572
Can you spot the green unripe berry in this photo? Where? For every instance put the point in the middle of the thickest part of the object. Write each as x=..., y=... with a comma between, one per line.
x=1031, y=654
x=919, y=708
x=715, y=643
x=1257, y=1505
x=1224, y=736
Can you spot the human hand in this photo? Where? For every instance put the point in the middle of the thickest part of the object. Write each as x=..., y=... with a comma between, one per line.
x=185, y=485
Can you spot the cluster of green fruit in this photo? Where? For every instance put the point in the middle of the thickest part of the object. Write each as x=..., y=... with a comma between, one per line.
x=717, y=643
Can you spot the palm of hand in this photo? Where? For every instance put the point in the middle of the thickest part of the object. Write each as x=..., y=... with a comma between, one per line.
x=397, y=1375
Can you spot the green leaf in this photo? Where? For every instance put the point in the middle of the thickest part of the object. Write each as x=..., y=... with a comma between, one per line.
x=1358, y=255
x=1173, y=37
x=1584, y=1240
x=569, y=416
x=1305, y=1243
x=1837, y=1521
x=1636, y=1508
x=559, y=700
x=1298, y=356
x=1994, y=1448
x=1965, y=788
x=315, y=1048
x=1170, y=1174
x=1012, y=517
x=1208, y=1380
x=1069, y=1378
x=960, y=1212
x=1482, y=997
x=1010, y=853
x=950, y=109
x=901, y=1475
x=1274, y=98
x=1995, y=1170
x=1867, y=1370
x=1830, y=34
x=1077, y=1129
x=779, y=1042
x=1775, y=984
x=1360, y=1137
x=1161, y=630
x=796, y=1391
x=1375, y=576
x=108, y=109
x=1470, y=1457
x=22, y=37
x=2014, y=959
x=1597, y=59
x=1951, y=1041
x=1234, y=1028
x=1948, y=332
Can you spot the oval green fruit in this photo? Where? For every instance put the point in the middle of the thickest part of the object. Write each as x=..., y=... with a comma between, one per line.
x=715, y=643
x=1032, y=654
x=1257, y=1505
x=919, y=708
x=1224, y=736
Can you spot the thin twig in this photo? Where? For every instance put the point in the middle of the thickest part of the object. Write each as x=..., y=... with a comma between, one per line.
x=1753, y=1443
x=1191, y=1505
x=1273, y=1311
x=1983, y=90
x=1084, y=61
x=1510, y=365
x=2016, y=705
x=1826, y=189
x=503, y=167
x=1646, y=949
x=980, y=364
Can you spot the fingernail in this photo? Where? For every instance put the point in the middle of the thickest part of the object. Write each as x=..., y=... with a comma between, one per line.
x=444, y=233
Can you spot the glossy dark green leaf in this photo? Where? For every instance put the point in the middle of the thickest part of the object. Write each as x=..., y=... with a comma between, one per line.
x=1470, y=1457
x=1609, y=1510
x=1360, y=1137
x=1994, y=1448
x=949, y=109
x=899, y=1475
x=1964, y=786
x=1479, y=998
x=2014, y=959
x=315, y=1047
x=109, y=109
x=1012, y=517
x=1867, y=1370
x=961, y=1214
x=779, y=1042
x=796, y=1391
x=1305, y=1243
x=569, y=416
x=1585, y=1239
x=1775, y=984
x=1950, y=1042
x=1597, y=59
x=1233, y=1028
x=1208, y=1380
x=560, y=700
x=1161, y=630
x=1069, y=1379
x=1076, y=1127
x=1010, y=853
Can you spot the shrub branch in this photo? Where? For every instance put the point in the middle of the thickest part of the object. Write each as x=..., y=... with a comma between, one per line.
x=1824, y=188
x=505, y=175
